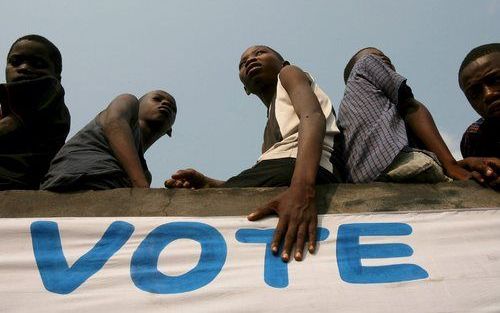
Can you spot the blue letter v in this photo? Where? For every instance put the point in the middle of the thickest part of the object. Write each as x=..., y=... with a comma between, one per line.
x=56, y=276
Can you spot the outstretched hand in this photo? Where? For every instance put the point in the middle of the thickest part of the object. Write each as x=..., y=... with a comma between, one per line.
x=298, y=219
x=188, y=178
x=485, y=170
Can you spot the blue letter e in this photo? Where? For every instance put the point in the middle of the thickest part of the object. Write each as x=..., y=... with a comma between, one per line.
x=350, y=252
x=56, y=276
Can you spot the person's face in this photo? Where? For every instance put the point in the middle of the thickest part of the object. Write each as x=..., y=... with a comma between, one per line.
x=29, y=60
x=378, y=53
x=480, y=82
x=158, y=109
x=258, y=68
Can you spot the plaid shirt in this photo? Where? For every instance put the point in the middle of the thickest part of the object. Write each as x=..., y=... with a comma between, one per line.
x=373, y=130
x=481, y=139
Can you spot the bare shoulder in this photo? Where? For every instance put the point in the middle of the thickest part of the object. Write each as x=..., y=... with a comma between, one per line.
x=125, y=99
x=292, y=75
x=124, y=106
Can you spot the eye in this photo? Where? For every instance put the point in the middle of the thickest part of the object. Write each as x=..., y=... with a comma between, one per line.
x=474, y=92
x=242, y=62
x=259, y=52
x=39, y=63
x=14, y=61
x=494, y=81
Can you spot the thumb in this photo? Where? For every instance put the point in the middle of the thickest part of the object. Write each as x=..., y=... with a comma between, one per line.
x=262, y=211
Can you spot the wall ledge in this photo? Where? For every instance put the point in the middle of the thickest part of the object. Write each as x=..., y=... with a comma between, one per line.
x=337, y=198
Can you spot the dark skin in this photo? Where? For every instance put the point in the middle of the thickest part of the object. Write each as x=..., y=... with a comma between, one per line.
x=421, y=123
x=485, y=170
x=27, y=60
x=480, y=82
x=155, y=113
x=258, y=70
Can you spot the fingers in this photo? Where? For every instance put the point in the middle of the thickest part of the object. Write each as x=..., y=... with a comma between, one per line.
x=177, y=183
x=483, y=169
x=295, y=235
x=494, y=163
x=184, y=174
x=312, y=233
x=188, y=178
x=278, y=235
x=478, y=177
x=300, y=242
x=291, y=235
x=168, y=183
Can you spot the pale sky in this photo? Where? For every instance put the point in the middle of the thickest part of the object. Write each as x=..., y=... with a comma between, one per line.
x=191, y=49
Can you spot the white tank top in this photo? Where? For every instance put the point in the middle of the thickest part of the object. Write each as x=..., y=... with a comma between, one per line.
x=282, y=129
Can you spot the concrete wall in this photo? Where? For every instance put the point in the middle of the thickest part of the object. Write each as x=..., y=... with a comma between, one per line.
x=341, y=198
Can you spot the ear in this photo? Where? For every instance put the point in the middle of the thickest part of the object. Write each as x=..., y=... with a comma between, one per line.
x=246, y=91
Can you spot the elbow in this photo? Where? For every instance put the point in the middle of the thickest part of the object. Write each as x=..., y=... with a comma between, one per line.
x=316, y=117
x=314, y=121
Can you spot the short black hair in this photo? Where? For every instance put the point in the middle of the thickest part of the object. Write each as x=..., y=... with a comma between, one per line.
x=54, y=53
x=280, y=57
x=478, y=52
x=352, y=61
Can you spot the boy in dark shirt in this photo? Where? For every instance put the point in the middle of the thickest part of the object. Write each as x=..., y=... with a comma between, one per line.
x=388, y=134
x=479, y=79
x=108, y=153
x=34, y=121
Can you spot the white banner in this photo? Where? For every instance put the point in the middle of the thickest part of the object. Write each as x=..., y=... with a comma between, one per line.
x=400, y=262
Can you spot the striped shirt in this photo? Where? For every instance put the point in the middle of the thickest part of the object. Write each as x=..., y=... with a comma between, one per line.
x=373, y=130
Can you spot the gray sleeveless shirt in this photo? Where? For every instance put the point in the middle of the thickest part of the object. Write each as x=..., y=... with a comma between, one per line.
x=86, y=161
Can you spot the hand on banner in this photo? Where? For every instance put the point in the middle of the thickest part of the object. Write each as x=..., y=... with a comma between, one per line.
x=485, y=170
x=298, y=219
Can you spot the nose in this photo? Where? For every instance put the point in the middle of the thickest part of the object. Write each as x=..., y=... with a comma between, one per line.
x=166, y=103
x=24, y=68
x=491, y=93
x=250, y=60
x=169, y=104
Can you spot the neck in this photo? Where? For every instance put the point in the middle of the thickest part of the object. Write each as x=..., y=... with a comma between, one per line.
x=267, y=95
x=148, y=136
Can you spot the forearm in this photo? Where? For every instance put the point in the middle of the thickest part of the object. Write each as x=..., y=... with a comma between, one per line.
x=121, y=141
x=311, y=135
x=422, y=124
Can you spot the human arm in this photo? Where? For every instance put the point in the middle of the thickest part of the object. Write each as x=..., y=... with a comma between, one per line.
x=190, y=178
x=117, y=122
x=421, y=123
x=485, y=170
x=296, y=206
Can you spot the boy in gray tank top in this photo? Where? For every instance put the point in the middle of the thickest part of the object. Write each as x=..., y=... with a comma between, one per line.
x=109, y=151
